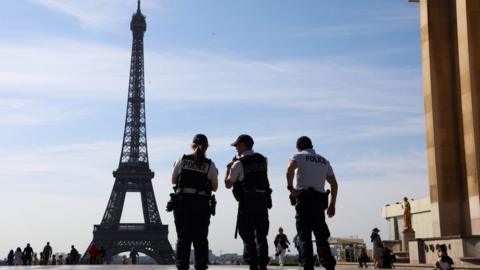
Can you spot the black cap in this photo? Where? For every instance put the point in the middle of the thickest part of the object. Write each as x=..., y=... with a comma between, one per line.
x=375, y=230
x=304, y=142
x=200, y=139
x=244, y=138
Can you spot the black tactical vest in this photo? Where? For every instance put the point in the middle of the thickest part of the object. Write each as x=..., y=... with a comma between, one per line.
x=194, y=174
x=254, y=189
x=255, y=173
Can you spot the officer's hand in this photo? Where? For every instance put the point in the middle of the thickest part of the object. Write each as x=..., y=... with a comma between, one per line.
x=331, y=211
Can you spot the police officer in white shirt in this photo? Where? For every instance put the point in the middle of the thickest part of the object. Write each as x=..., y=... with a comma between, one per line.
x=247, y=174
x=312, y=170
x=195, y=178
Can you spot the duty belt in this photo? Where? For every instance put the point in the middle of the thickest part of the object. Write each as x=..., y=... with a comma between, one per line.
x=256, y=190
x=192, y=191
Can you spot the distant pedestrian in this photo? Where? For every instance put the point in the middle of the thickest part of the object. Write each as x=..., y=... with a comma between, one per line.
x=47, y=252
x=28, y=255
x=363, y=258
x=388, y=258
x=133, y=256
x=124, y=259
x=60, y=260
x=444, y=261
x=36, y=261
x=18, y=256
x=281, y=244
x=10, y=258
x=54, y=260
x=377, y=248
x=74, y=255
x=93, y=252
x=297, y=244
x=102, y=253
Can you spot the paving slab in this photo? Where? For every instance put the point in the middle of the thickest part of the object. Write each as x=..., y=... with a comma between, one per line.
x=153, y=267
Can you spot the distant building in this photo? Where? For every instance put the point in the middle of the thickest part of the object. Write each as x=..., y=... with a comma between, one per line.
x=346, y=249
x=421, y=218
x=228, y=258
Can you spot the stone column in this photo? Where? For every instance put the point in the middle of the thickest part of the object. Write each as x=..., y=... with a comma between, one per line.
x=443, y=117
x=407, y=236
x=468, y=25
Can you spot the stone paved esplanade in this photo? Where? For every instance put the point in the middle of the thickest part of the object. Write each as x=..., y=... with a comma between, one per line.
x=450, y=40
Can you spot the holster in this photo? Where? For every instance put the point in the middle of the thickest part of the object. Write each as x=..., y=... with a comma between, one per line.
x=325, y=198
x=293, y=200
x=268, y=198
x=172, y=203
x=213, y=205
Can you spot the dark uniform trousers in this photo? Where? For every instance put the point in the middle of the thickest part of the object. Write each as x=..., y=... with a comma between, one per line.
x=253, y=226
x=192, y=218
x=310, y=218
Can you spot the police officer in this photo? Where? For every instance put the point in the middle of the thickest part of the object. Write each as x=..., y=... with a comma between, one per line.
x=247, y=174
x=312, y=170
x=195, y=177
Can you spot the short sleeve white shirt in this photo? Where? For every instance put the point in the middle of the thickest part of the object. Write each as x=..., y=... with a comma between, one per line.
x=312, y=170
x=236, y=172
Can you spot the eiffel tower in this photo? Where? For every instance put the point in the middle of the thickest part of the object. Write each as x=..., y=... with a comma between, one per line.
x=134, y=174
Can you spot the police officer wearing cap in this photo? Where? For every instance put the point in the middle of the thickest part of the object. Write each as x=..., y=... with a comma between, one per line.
x=311, y=201
x=247, y=174
x=195, y=178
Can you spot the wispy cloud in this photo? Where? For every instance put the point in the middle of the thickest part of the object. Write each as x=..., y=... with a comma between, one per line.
x=68, y=68
x=24, y=111
x=96, y=13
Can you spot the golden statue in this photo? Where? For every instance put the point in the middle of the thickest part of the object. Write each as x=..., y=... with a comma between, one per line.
x=407, y=215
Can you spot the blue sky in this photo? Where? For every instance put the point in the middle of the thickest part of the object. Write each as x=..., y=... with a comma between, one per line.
x=346, y=73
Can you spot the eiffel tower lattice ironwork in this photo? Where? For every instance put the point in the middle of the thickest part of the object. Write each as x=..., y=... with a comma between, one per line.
x=134, y=174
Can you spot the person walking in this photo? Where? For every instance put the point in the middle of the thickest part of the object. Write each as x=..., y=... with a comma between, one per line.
x=133, y=256
x=74, y=255
x=28, y=255
x=311, y=201
x=18, y=256
x=47, y=252
x=363, y=258
x=102, y=254
x=247, y=174
x=378, y=248
x=93, y=252
x=60, y=260
x=281, y=243
x=54, y=260
x=36, y=261
x=11, y=258
x=195, y=177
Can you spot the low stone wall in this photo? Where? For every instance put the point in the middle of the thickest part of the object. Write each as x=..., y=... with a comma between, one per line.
x=464, y=251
